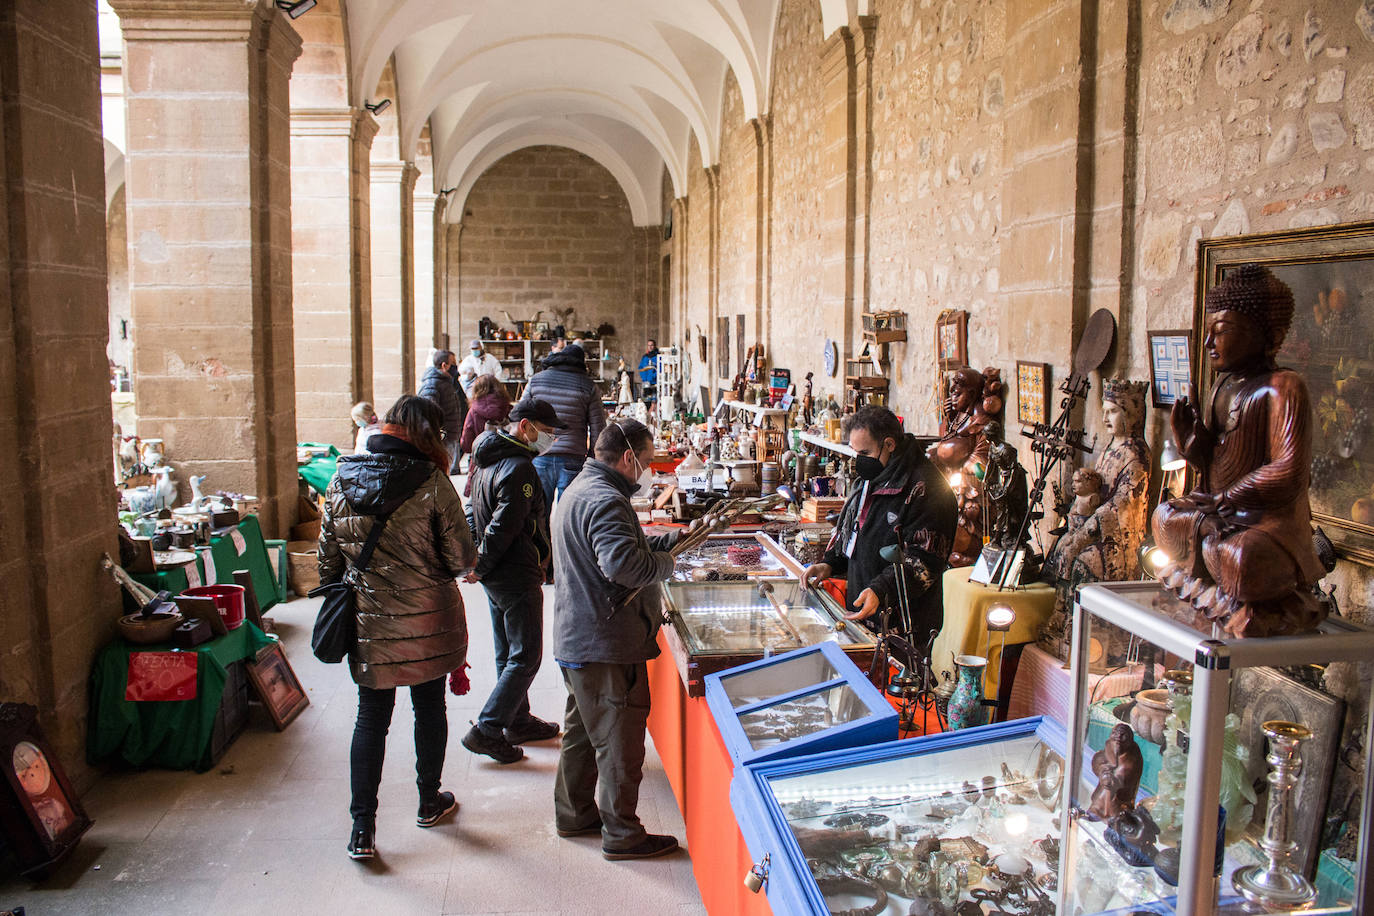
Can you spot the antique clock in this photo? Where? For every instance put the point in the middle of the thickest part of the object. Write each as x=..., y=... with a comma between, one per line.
x=41, y=817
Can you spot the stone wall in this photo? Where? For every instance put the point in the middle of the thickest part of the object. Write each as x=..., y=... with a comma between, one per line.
x=1029, y=161
x=547, y=229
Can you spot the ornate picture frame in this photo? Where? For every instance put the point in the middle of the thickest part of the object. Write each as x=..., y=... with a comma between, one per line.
x=277, y=685
x=1331, y=343
x=1171, y=366
x=951, y=339
x=1032, y=393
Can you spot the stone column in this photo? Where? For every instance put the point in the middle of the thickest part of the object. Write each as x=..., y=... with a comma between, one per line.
x=332, y=291
x=426, y=311
x=57, y=606
x=393, y=281
x=837, y=177
x=209, y=201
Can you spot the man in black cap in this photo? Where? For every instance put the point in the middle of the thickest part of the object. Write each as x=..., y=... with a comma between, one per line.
x=510, y=525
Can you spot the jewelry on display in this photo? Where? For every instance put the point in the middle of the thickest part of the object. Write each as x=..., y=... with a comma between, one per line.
x=854, y=884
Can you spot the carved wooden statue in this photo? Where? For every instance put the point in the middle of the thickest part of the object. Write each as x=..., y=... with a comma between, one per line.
x=1240, y=545
x=973, y=400
x=1117, y=767
x=1004, y=485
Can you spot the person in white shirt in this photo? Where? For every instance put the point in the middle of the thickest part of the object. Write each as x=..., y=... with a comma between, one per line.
x=365, y=418
x=478, y=362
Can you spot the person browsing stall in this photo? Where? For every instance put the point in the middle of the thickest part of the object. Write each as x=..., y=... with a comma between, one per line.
x=510, y=526
x=606, y=616
x=901, y=494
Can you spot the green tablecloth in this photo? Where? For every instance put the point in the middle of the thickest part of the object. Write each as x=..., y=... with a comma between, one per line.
x=224, y=553
x=174, y=734
x=319, y=471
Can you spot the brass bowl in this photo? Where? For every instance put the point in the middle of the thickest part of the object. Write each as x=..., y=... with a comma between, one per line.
x=154, y=628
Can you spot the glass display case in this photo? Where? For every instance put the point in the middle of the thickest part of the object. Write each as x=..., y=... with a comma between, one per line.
x=954, y=823
x=809, y=700
x=713, y=626
x=1236, y=758
x=730, y=558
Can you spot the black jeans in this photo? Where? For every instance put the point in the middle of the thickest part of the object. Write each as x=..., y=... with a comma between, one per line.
x=369, y=743
x=517, y=629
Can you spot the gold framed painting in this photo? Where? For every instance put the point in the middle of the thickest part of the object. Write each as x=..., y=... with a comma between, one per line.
x=1032, y=393
x=1330, y=270
x=951, y=339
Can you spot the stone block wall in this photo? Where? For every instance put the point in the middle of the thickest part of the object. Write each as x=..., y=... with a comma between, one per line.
x=546, y=229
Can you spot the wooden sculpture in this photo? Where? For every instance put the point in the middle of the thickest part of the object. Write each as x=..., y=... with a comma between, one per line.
x=1117, y=767
x=972, y=401
x=1240, y=545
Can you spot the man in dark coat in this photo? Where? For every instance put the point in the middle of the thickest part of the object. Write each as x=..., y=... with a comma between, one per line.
x=606, y=616
x=570, y=391
x=510, y=527
x=439, y=385
x=901, y=494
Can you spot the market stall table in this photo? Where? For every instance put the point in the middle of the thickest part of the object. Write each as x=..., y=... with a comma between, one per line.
x=241, y=547
x=176, y=734
x=321, y=469
x=966, y=630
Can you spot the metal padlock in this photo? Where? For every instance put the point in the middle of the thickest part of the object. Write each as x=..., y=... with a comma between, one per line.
x=757, y=877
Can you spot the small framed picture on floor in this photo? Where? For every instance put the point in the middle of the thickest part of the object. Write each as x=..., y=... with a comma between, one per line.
x=277, y=685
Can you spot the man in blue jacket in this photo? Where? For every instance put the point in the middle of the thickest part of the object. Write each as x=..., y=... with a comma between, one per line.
x=606, y=616
x=509, y=522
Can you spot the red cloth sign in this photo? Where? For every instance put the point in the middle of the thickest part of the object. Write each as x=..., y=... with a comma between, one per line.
x=155, y=676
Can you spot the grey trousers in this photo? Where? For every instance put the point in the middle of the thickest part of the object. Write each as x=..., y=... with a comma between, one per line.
x=602, y=762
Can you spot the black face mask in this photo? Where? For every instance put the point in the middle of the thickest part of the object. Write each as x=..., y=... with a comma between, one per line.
x=867, y=467
x=453, y=372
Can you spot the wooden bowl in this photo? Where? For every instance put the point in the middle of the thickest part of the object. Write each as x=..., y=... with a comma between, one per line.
x=154, y=628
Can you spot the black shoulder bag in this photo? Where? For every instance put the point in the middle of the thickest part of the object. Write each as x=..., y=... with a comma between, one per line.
x=336, y=627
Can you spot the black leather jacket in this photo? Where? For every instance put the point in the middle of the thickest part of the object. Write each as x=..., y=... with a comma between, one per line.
x=510, y=522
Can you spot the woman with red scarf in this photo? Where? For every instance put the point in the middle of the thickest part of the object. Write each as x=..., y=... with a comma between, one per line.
x=412, y=630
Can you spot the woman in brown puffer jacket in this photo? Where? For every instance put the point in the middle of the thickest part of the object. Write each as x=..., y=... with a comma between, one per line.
x=412, y=630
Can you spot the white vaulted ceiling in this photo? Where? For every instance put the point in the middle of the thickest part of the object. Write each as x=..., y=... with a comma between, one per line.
x=627, y=82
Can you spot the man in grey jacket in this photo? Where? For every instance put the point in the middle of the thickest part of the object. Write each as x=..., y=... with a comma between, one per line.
x=572, y=393
x=439, y=386
x=607, y=613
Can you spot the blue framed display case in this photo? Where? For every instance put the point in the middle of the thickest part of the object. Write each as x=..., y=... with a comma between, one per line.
x=802, y=702
x=873, y=830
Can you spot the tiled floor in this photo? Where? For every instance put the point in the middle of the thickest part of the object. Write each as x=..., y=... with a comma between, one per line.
x=264, y=832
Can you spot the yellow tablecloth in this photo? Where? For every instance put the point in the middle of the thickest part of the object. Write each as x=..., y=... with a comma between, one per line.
x=966, y=632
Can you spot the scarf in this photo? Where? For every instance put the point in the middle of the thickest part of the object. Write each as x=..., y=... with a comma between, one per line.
x=438, y=455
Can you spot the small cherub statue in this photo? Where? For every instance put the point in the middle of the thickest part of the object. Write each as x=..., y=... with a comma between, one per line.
x=1117, y=767
x=1087, y=491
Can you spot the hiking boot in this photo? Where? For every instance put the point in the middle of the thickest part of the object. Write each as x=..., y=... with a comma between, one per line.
x=580, y=831
x=655, y=844
x=433, y=812
x=498, y=749
x=532, y=729
x=362, y=844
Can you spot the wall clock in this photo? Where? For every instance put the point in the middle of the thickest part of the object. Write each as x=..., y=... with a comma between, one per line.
x=41, y=817
x=831, y=354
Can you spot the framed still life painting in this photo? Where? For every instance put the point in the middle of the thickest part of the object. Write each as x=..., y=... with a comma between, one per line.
x=951, y=339
x=1032, y=393
x=1330, y=270
x=1171, y=366
x=277, y=685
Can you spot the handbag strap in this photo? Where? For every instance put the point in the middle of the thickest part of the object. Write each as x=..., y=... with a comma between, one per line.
x=373, y=536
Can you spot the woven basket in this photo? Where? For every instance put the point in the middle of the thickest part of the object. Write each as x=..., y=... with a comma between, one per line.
x=302, y=566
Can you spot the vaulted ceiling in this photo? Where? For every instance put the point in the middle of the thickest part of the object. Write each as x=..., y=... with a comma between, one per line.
x=627, y=82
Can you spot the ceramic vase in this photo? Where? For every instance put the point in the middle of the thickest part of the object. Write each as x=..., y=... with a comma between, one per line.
x=966, y=708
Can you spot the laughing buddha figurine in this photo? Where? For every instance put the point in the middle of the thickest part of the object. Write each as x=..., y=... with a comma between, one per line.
x=1240, y=545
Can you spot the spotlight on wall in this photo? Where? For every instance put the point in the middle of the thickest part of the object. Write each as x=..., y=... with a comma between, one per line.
x=377, y=107
x=297, y=9
x=1169, y=458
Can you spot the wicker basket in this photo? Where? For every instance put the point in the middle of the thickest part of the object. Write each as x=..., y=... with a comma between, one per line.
x=302, y=566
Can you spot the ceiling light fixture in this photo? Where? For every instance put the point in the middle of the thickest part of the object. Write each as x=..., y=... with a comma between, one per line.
x=377, y=107
x=297, y=9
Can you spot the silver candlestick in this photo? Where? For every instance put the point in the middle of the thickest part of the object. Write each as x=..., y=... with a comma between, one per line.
x=1276, y=884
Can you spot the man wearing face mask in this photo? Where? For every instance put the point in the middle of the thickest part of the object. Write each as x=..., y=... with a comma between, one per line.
x=898, y=482
x=509, y=522
x=437, y=385
x=606, y=616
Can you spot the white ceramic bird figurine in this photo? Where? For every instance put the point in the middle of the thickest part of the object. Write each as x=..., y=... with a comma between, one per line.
x=165, y=489
x=197, y=494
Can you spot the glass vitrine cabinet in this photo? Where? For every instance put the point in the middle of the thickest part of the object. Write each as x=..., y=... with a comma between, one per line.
x=808, y=700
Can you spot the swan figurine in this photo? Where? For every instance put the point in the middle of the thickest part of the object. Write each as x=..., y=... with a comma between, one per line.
x=197, y=494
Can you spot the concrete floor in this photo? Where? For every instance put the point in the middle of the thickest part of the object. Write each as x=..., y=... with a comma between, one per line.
x=265, y=830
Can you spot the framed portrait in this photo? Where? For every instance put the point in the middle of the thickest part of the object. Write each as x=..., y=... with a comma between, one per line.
x=1171, y=366
x=41, y=817
x=1330, y=270
x=951, y=339
x=277, y=685
x=1032, y=392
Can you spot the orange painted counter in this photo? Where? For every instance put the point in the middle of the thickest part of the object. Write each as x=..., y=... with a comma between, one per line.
x=699, y=770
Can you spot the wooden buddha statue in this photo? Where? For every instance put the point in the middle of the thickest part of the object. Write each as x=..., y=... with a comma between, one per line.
x=1240, y=545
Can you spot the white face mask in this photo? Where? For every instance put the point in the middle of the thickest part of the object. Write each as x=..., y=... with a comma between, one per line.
x=644, y=483
x=542, y=442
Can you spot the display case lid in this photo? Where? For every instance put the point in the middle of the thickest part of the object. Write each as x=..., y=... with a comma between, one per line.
x=801, y=702
x=729, y=618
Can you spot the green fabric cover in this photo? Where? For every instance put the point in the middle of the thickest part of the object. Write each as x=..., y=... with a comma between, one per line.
x=319, y=471
x=174, y=734
x=226, y=558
